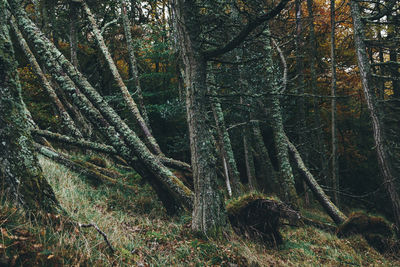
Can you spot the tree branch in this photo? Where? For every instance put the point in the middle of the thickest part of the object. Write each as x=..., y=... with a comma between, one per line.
x=242, y=35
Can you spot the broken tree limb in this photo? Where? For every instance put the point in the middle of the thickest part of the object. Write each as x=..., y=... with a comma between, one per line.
x=337, y=216
x=77, y=167
x=75, y=141
x=100, y=232
x=172, y=163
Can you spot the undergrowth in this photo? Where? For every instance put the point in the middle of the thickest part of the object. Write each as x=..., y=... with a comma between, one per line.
x=142, y=234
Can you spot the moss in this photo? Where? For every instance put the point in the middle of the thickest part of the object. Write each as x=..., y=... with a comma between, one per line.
x=376, y=230
x=234, y=206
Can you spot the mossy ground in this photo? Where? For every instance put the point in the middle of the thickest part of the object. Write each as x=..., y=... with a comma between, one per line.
x=141, y=232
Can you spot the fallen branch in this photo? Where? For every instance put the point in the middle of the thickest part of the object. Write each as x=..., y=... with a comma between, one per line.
x=77, y=167
x=171, y=163
x=100, y=232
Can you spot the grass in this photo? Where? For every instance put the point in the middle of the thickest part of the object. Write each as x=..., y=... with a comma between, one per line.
x=142, y=234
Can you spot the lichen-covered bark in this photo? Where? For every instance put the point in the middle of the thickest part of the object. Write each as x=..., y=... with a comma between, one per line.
x=337, y=216
x=96, y=109
x=209, y=216
x=275, y=116
x=172, y=163
x=381, y=144
x=66, y=120
x=21, y=177
x=118, y=79
x=133, y=64
x=226, y=146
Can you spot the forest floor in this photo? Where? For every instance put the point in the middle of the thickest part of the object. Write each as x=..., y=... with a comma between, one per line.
x=143, y=235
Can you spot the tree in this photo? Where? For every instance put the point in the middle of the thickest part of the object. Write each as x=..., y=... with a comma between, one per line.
x=21, y=178
x=381, y=142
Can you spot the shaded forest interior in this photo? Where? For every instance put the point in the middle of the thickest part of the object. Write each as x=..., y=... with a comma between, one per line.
x=232, y=126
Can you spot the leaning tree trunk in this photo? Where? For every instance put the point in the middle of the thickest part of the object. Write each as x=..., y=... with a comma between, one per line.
x=119, y=135
x=385, y=163
x=66, y=120
x=209, y=216
x=154, y=147
x=337, y=216
x=133, y=63
x=21, y=178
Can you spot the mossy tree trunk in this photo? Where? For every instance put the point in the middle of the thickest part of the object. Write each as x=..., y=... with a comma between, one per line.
x=225, y=141
x=133, y=63
x=134, y=110
x=21, y=178
x=66, y=119
x=337, y=216
x=275, y=116
x=209, y=216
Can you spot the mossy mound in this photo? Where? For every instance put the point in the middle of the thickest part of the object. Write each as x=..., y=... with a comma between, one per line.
x=376, y=230
x=259, y=217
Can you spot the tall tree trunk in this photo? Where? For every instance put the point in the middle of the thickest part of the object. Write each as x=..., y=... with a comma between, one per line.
x=152, y=143
x=334, y=143
x=320, y=143
x=302, y=127
x=275, y=116
x=224, y=139
x=209, y=216
x=21, y=178
x=381, y=145
x=133, y=63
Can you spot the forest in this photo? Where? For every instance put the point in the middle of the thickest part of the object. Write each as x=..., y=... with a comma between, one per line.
x=199, y=133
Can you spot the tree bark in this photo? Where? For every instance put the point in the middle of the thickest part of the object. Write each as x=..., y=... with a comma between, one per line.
x=249, y=162
x=275, y=116
x=381, y=144
x=118, y=79
x=67, y=121
x=337, y=216
x=267, y=170
x=133, y=63
x=334, y=143
x=320, y=144
x=225, y=141
x=73, y=35
x=21, y=178
x=209, y=215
